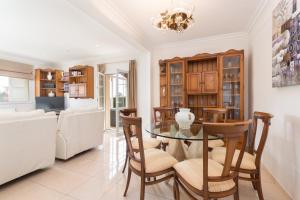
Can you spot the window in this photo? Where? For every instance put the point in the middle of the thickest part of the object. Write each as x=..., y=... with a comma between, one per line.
x=14, y=89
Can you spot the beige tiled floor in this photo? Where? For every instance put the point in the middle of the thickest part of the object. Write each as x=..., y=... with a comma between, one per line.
x=96, y=174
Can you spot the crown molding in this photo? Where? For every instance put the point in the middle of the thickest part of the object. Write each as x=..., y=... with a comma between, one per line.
x=243, y=35
x=258, y=12
x=26, y=59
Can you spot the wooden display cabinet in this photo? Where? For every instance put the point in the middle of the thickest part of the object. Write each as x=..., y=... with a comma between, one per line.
x=43, y=86
x=81, y=82
x=232, y=83
x=204, y=81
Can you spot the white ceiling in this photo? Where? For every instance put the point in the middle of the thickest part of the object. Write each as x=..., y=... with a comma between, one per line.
x=54, y=31
x=212, y=17
x=66, y=30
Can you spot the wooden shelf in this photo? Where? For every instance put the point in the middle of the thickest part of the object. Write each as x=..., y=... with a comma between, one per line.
x=231, y=81
x=231, y=68
x=233, y=108
x=81, y=86
x=229, y=95
x=202, y=106
x=202, y=94
x=175, y=84
x=78, y=76
x=53, y=80
x=42, y=84
x=177, y=95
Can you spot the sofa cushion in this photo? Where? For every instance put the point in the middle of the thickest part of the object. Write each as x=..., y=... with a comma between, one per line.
x=82, y=109
x=7, y=110
x=155, y=160
x=192, y=172
x=215, y=143
x=21, y=115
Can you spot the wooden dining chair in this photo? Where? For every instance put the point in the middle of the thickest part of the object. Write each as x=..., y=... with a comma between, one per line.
x=163, y=114
x=207, y=178
x=215, y=115
x=252, y=158
x=146, y=163
x=148, y=143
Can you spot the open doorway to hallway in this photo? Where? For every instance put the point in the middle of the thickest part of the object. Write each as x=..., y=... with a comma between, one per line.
x=113, y=96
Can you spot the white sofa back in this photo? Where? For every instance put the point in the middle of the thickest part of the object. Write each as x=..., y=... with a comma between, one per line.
x=78, y=130
x=27, y=143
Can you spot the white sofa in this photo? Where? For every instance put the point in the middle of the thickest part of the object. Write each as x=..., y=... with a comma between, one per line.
x=27, y=143
x=78, y=130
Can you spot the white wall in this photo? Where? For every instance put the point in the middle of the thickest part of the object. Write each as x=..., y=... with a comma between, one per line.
x=212, y=44
x=282, y=153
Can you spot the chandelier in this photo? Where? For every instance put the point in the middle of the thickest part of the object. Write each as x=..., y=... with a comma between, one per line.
x=176, y=19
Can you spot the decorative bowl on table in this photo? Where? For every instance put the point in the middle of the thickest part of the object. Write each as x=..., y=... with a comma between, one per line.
x=184, y=118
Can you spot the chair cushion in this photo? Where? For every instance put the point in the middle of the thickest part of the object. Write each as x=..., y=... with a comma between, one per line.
x=147, y=142
x=215, y=143
x=164, y=139
x=192, y=172
x=248, y=162
x=155, y=161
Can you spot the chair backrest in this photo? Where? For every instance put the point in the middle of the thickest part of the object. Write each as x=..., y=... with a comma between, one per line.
x=232, y=132
x=163, y=114
x=266, y=120
x=129, y=112
x=128, y=122
x=214, y=115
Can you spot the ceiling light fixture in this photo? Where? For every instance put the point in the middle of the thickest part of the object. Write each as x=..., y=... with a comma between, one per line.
x=178, y=18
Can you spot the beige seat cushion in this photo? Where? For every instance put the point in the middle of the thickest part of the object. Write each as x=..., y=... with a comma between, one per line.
x=164, y=139
x=155, y=160
x=147, y=142
x=192, y=172
x=215, y=143
x=248, y=162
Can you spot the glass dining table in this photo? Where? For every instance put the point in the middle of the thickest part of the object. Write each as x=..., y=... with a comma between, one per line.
x=170, y=129
x=182, y=143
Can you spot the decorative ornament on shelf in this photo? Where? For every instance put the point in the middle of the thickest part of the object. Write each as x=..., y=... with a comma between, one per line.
x=51, y=94
x=184, y=118
x=49, y=76
x=178, y=18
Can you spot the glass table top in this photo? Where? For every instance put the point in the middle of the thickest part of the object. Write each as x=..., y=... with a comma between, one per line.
x=170, y=129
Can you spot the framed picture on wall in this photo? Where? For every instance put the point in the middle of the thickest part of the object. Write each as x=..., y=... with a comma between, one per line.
x=286, y=44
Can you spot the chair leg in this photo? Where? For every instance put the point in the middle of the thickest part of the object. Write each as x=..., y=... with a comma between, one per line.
x=164, y=146
x=236, y=195
x=125, y=164
x=259, y=187
x=176, y=190
x=253, y=181
x=142, y=192
x=128, y=181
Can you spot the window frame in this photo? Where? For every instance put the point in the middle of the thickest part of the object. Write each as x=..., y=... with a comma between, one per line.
x=30, y=93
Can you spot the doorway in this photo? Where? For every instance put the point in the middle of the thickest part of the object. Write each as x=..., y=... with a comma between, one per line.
x=116, y=98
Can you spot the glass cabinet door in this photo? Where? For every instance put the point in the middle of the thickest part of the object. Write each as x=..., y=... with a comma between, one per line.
x=232, y=86
x=176, y=84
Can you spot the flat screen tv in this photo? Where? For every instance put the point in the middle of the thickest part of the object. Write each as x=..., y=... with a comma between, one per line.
x=50, y=103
